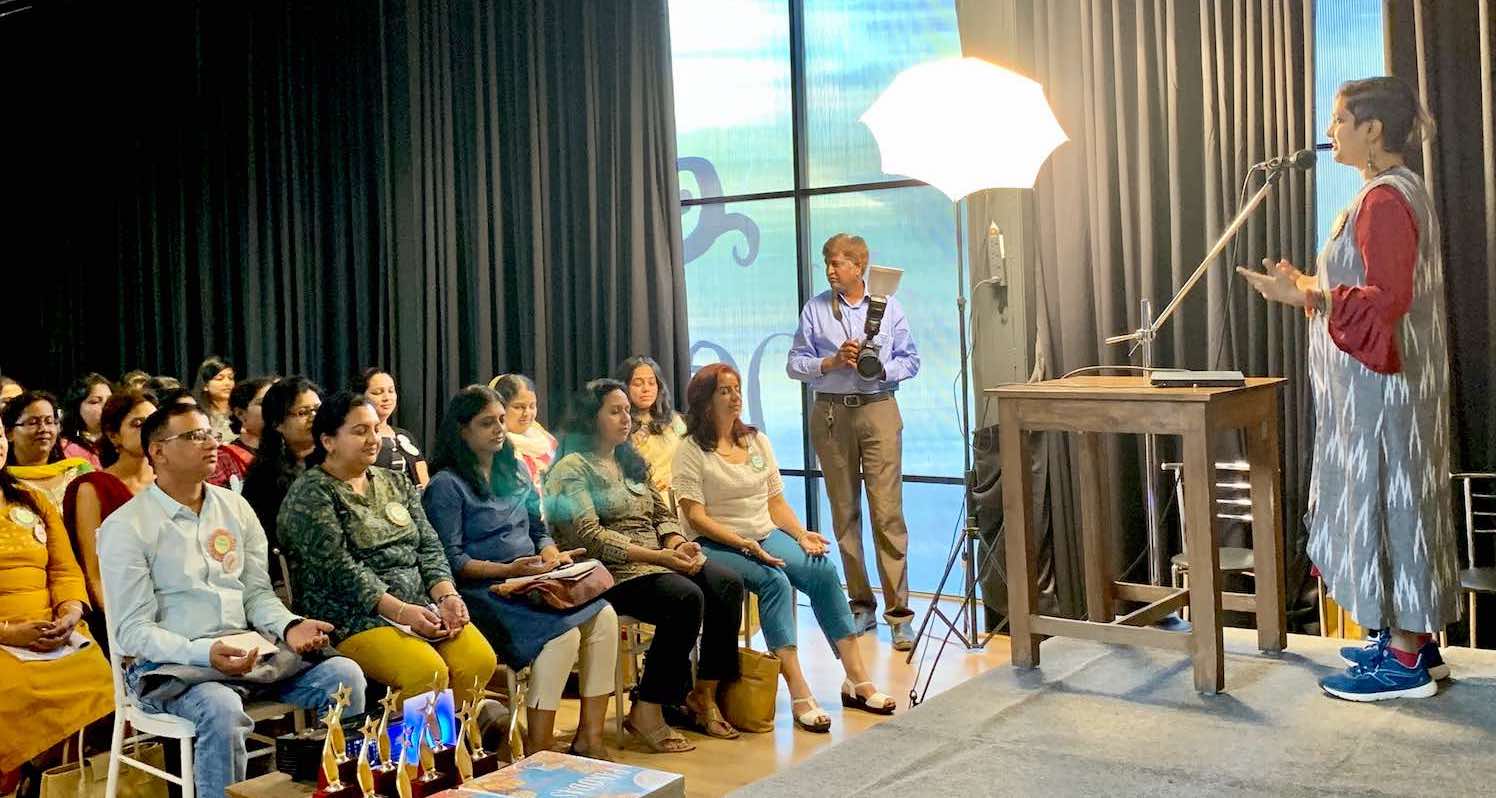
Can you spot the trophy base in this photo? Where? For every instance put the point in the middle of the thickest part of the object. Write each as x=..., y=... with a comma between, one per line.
x=341, y=790
x=438, y=781
x=384, y=780
x=486, y=764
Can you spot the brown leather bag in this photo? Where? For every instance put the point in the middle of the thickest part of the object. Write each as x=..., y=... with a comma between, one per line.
x=749, y=702
x=566, y=591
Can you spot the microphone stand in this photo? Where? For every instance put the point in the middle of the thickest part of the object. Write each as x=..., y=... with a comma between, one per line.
x=1148, y=331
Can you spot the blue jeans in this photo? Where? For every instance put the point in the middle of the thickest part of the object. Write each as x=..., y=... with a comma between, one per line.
x=816, y=577
x=219, y=755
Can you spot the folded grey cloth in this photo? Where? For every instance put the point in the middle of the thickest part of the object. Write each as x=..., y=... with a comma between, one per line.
x=156, y=683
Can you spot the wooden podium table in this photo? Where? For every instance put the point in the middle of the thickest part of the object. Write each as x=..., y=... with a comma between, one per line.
x=1090, y=406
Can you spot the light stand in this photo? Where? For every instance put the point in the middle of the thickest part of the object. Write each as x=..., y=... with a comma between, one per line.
x=964, y=547
x=1143, y=338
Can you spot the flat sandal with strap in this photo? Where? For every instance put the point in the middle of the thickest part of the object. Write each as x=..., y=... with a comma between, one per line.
x=660, y=740
x=814, y=719
x=711, y=723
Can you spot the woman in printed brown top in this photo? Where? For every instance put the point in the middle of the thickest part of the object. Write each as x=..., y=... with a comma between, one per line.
x=599, y=497
x=364, y=558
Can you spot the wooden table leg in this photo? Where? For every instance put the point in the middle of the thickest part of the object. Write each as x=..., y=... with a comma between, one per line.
x=1095, y=548
x=1205, y=559
x=1267, y=532
x=1018, y=481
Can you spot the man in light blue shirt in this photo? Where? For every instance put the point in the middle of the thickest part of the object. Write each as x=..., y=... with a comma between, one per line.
x=856, y=428
x=184, y=564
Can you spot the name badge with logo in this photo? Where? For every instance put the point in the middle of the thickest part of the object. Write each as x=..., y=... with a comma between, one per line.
x=24, y=517
x=398, y=515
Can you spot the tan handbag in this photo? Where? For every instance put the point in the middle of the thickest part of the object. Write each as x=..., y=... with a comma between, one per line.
x=88, y=777
x=748, y=703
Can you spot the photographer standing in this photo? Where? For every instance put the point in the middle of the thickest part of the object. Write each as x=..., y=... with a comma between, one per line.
x=855, y=424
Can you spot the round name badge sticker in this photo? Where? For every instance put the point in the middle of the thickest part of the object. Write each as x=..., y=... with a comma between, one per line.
x=408, y=445
x=22, y=516
x=221, y=544
x=398, y=515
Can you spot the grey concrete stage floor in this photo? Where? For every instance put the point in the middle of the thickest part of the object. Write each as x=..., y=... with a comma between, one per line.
x=1101, y=720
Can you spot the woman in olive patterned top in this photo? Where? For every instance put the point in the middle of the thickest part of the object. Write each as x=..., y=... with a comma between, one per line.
x=598, y=497
x=364, y=558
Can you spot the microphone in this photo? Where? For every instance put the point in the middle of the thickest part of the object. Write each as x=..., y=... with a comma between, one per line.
x=1303, y=160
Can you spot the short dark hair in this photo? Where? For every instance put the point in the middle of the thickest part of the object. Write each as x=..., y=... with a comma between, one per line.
x=244, y=393
x=112, y=418
x=1391, y=101
x=155, y=423
x=361, y=380
x=15, y=407
x=330, y=418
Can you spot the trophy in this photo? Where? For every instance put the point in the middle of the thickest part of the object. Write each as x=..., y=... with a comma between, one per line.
x=462, y=758
x=483, y=762
x=335, y=751
x=403, y=786
x=365, y=772
x=435, y=776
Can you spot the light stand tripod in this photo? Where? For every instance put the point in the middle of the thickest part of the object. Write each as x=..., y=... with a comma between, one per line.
x=963, y=625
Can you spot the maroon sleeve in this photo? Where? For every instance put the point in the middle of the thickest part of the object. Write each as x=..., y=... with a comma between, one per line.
x=1364, y=318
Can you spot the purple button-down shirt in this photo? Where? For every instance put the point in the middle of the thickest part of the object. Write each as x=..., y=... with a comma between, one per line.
x=821, y=334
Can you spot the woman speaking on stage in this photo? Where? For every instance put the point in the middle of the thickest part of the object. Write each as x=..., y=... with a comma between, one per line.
x=1380, y=526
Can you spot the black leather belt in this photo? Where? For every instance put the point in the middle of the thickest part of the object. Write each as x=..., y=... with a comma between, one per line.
x=853, y=399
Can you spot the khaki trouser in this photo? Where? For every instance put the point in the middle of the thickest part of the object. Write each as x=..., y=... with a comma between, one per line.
x=864, y=446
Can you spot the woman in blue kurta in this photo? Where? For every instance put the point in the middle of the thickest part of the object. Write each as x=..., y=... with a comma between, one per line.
x=487, y=513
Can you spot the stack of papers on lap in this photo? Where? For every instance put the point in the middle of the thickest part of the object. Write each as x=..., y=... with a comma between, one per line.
x=575, y=569
x=75, y=643
x=249, y=641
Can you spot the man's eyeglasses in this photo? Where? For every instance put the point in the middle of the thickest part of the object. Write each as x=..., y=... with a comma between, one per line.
x=38, y=422
x=198, y=436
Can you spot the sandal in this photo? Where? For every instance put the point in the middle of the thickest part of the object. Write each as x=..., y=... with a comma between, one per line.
x=660, y=740
x=877, y=703
x=814, y=719
x=710, y=721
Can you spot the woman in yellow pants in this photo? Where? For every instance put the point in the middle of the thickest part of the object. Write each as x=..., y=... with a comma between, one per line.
x=364, y=558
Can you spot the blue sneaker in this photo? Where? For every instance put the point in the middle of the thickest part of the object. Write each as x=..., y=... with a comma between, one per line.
x=1363, y=655
x=1382, y=678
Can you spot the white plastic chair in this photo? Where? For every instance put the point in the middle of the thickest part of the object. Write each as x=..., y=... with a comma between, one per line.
x=152, y=724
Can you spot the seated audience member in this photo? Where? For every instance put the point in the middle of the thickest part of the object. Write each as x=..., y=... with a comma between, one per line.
x=95, y=496
x=364, y=557
x=135, y=379
x=535, y=448
x=81, y=406
x=9, y=389
x=657, y=427
x=184, y=565
x=36, y=457
x=398, y=450
x=160, y=385
x=233, y=458
x=732, y=501
x=42, y=601
x=487, y=513
x=214, y=386
x=248, y=421
x=288, y=408
x=599, y=498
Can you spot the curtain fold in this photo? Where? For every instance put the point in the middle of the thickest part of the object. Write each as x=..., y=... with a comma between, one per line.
x=450, y=188
x=1166, y=105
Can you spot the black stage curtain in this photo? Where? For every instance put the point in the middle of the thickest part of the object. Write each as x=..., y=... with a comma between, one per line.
x=449, y=188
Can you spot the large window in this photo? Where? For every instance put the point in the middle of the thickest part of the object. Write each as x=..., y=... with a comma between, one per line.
x=772, y=162
x=1348, y=44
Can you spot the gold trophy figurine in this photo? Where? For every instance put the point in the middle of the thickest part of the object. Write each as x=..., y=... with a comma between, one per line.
x=329, y=758
x=403, y=788
x=389, y=703
x=428, y=738
x=335, y=731
x=365, y=772
x=462, y=759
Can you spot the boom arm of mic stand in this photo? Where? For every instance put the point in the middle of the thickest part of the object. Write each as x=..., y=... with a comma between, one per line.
x=1149, y=332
